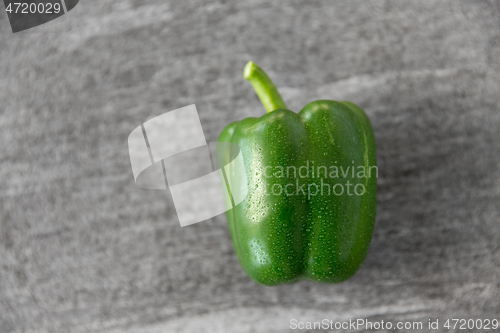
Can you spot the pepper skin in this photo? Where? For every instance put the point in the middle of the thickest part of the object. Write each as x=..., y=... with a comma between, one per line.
x=289, y=235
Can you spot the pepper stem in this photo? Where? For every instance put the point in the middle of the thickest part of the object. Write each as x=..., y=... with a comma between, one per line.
x=264, y=87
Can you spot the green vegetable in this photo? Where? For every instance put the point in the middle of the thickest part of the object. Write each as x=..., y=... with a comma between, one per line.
x=311, y=178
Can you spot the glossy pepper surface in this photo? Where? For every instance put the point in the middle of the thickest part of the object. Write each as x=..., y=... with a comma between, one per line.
x=311, y=178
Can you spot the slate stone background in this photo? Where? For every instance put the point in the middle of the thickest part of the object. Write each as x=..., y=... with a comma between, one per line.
x=83, y=249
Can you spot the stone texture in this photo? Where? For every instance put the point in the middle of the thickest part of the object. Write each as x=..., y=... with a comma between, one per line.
x=83, y=249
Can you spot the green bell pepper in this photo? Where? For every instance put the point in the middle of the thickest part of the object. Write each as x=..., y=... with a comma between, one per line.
x=311, y=179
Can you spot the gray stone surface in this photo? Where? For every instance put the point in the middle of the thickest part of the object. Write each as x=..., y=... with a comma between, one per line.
x=83, y=249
